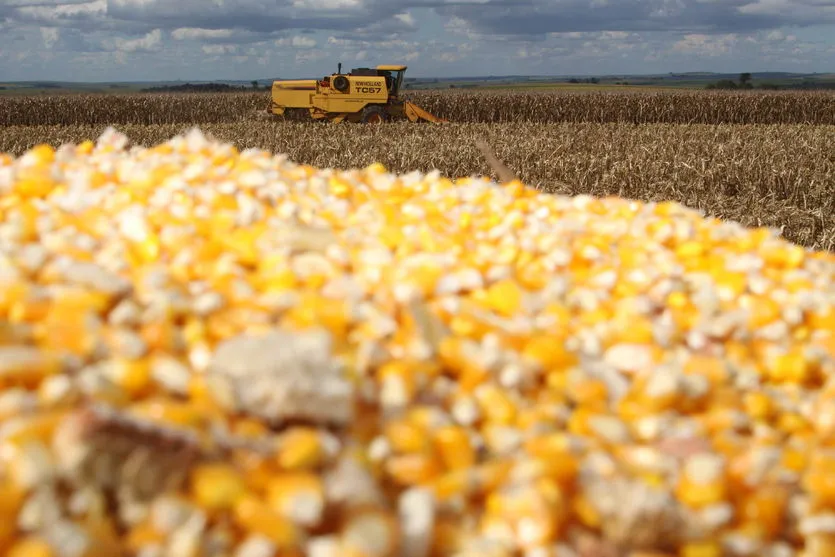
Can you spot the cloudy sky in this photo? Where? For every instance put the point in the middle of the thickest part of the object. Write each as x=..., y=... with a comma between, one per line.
x=111, y=40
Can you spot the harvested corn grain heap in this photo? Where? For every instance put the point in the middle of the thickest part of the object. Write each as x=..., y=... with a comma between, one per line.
x=212, y=352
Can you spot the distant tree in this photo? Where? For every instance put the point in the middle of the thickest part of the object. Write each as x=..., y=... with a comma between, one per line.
x=745, y=81
x=255, y=84
x=723, y=84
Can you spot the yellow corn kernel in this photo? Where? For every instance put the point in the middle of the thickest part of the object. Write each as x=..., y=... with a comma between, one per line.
x=31, y=547
x=201, y=397
x=819, y=479
x=247, y=427
x=413, y=469
x=549, y=352
x=792, y=423
x=315, y=310
x=132, y=376
x=784, y=257
x=589, y=393
x=141, y=535
x=758, y=406
x=537, y=512
x=259, y=470
x=765, y=510
x=405, y=436
x=167, y=411
x=821, y=319
x=702, y=549
x=586, y=511
x=162, y=336
x=712, y=368
x=635, y=329
x=217, y=486
x=298, y=496
x=495, y=405
x=504, y=297
x=425, y=278
x=698, y=495
x=11, y=500
x=789, y=367
x=38, y=427
x=468, y=326
x=301, y=448
x=85, y=147
x=31, y=370
x=257, y=517
x=454, y=447
x=794, y=460
x=34, y=183
x=690, y=249
x=453, y=484
x=578, y=423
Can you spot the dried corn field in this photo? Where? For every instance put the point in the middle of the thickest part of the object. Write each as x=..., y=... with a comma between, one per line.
x=636, y=107
x=777, y=175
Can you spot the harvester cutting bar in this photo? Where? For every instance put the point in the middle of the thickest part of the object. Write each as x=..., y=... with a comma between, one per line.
x=415, y=113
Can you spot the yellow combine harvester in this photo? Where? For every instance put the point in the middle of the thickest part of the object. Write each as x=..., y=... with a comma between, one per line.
x=368, y=95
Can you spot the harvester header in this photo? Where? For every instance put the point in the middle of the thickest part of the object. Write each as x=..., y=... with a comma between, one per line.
x=367, y=95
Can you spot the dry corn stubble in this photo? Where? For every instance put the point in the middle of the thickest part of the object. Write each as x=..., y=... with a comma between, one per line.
x=781, y=176
x=500, y=369
x=644, y=107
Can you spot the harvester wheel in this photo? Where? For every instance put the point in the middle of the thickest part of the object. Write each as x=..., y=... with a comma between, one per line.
x=340, y=83
x=374, y=115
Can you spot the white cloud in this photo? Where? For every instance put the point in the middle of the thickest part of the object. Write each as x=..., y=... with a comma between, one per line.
x=406, y=18
x=148, y=43
x=296, y=41
x=206, y=39
x=195, y=33
x=50, y=36
x=327, y=4
x=219, y=49
x=706, y=45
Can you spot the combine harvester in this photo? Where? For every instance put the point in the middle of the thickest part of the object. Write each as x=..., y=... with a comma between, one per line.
x=367, y=95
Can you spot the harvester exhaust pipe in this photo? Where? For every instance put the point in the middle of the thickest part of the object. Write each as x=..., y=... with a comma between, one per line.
x=339, y=68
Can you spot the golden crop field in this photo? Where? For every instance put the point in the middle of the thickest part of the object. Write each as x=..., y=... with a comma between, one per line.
x=636, y=107
x=762, y=158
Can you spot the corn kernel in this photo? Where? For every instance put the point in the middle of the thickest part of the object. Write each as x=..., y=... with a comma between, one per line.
x=217, y=486
x=702, y=549
x=454, y=447
x=298, y=496
x=31, y=547
x=300, y=449
x=258, y=518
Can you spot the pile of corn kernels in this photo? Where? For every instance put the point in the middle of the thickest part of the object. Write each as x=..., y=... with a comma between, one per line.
x=212, y=352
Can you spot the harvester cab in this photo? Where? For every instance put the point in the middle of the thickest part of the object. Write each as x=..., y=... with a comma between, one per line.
x=367, y=95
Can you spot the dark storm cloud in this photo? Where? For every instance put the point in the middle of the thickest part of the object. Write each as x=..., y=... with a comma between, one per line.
x=520, y=17
x=499, y=17
x=253, y=15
